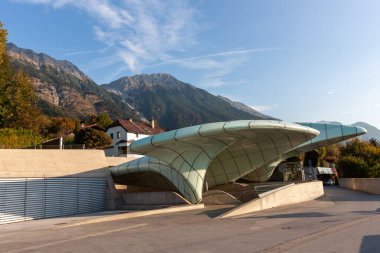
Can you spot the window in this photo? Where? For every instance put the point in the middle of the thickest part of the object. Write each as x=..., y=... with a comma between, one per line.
x=118, y=135
x=111, y=136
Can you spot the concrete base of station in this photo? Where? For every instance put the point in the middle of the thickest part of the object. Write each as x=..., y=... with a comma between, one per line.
x=286, y=195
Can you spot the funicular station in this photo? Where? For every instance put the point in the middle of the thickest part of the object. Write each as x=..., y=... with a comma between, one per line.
x=214, y=163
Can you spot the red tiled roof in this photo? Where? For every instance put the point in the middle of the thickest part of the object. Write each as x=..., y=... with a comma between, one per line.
x=136, y=127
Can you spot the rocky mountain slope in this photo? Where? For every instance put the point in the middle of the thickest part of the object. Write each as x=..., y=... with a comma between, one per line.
x=175, y=103
x=63, y=89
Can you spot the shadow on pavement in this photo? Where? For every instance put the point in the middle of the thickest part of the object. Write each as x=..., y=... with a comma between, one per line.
x=215, y=212
x=370, y=244
x=377, y=211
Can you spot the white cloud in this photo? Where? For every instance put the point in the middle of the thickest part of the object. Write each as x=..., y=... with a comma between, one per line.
x=74, y=53
x=212, y=82
x=331, y=92
x=350, y=111
x=138, y=32
x=109, y=13
x=214, y=67
x=234, y=53
x=213, y=71
x=263, y=108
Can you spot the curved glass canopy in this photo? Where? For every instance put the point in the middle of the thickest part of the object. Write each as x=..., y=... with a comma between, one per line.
x=330, y=133
x=214, y=153
x=186, y=159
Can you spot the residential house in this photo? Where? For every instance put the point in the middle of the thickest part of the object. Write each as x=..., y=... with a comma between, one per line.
x=124, y=132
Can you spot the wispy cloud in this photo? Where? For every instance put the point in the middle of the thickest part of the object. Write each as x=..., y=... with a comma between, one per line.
x=141, y=34
x=264, y=108
x=331, y=92
x=214, y=67
x=207, y=57
x=138, y=32
x=350, y=111
x=212, y=81
x=74, y=53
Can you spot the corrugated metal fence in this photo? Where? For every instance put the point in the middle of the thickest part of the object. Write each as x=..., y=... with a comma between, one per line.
x=38, y=198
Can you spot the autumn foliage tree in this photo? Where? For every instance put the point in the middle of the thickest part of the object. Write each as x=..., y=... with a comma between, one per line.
x=18, y=101
x=61, y=126
x=3, y=41
x=18, y=138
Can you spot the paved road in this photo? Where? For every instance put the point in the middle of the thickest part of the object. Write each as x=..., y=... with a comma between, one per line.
x=344, y=221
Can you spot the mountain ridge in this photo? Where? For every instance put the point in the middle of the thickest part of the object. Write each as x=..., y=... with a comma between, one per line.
x=64, y=90
x=175, y=103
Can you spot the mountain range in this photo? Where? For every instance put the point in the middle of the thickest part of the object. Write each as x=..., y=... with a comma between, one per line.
x=373, y=132
x=64, y=90
x=175, y=103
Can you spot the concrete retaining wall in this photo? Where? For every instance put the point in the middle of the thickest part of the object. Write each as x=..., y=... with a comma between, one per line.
x=286, y=195
x=370, y=185
x=45, y=163
x=19, y=163
x=151, y=200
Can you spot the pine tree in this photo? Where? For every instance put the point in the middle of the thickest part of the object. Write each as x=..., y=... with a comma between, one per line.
x=104, y=120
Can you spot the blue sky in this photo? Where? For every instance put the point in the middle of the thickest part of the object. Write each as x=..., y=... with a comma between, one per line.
x=295, y=60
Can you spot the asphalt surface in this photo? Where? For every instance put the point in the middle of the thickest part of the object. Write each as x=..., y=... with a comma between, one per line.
x=343, y=221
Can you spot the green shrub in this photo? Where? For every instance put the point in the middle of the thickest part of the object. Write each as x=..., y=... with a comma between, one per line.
x=360, y=159
x=352, y=166
x=374, y=172
x=18, y=138
x=92, y=138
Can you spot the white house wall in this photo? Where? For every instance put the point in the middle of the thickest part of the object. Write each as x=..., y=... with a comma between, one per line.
x=132, y=136
x=114, y=130
x=124, y=135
